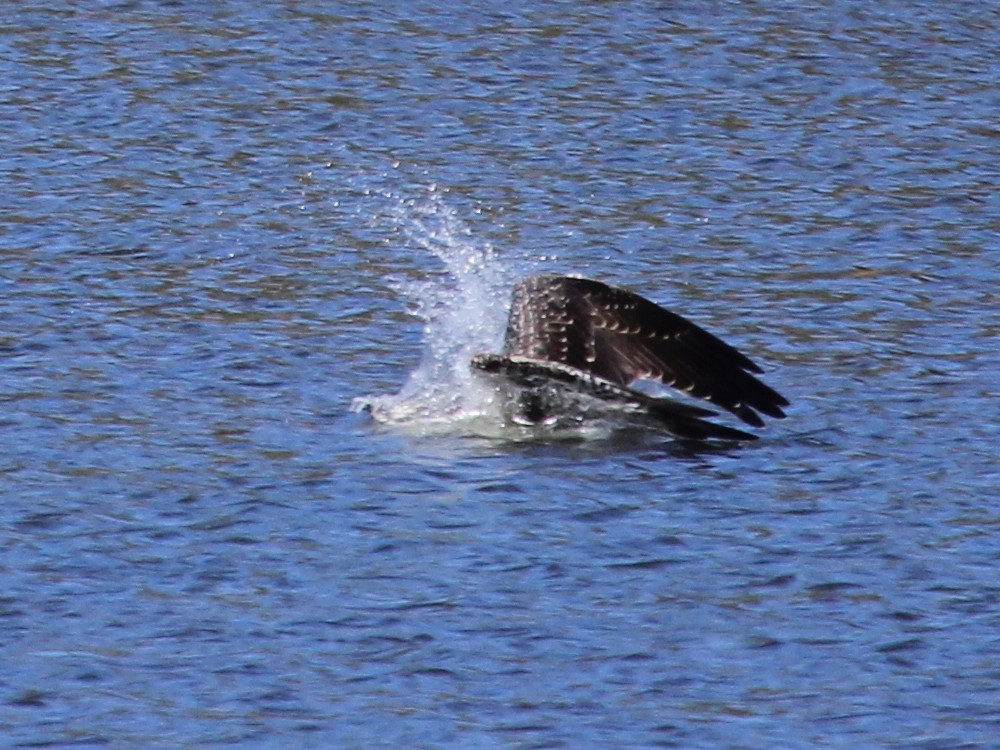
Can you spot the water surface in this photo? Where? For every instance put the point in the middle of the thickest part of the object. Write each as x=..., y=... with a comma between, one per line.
x=225, y=222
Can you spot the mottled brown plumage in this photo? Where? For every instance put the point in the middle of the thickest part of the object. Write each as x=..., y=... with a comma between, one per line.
x=616, y=336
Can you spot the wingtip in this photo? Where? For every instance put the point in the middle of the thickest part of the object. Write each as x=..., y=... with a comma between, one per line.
x=700, y=430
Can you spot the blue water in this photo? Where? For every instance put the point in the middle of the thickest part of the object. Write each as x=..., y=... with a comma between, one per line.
x=226, y=224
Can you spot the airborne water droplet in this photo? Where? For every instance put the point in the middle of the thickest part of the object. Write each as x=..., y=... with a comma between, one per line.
x=464, y=312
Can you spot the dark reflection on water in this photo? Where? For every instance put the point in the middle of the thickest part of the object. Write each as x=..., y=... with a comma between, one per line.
x=210, y=213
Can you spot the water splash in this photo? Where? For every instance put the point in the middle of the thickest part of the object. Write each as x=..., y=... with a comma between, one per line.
x=464, y=312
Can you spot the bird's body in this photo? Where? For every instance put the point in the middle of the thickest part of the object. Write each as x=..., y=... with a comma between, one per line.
x=574, y=345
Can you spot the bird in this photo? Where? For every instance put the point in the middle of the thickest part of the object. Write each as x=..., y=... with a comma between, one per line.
x=573, y=347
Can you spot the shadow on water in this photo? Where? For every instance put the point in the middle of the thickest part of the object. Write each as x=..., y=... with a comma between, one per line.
x=566, y=446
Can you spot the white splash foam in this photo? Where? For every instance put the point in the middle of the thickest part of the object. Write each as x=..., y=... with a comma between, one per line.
x=464, y=311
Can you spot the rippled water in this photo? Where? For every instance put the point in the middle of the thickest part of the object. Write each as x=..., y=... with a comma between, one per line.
x=224, y=222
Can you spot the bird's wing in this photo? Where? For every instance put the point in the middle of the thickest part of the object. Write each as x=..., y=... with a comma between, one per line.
x=620, y=336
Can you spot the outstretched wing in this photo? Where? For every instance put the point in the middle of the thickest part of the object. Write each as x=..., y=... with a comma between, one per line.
x=621, y=337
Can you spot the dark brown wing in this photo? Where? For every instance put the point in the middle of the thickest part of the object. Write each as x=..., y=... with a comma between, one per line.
x=620, y=336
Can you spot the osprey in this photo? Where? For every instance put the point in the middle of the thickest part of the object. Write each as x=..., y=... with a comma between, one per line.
x=574, y=346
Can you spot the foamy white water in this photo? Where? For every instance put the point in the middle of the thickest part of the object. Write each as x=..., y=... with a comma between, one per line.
x=464, y=310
